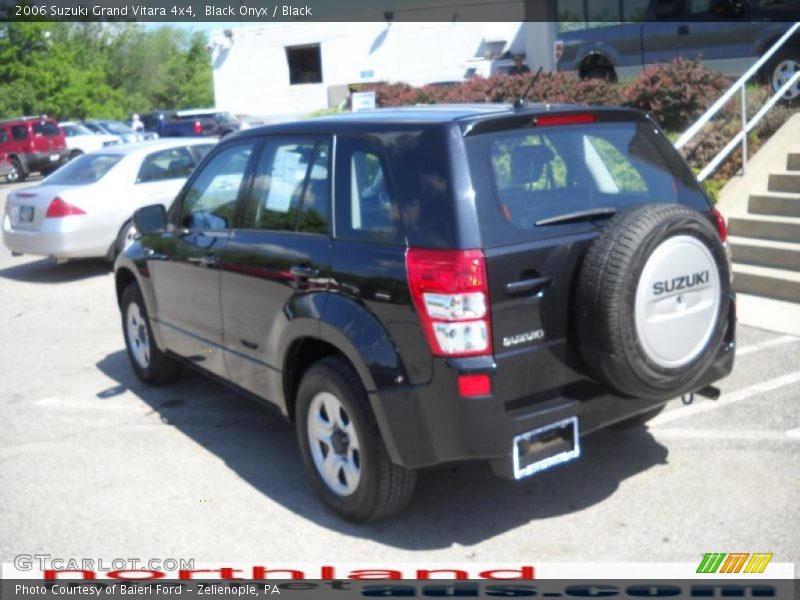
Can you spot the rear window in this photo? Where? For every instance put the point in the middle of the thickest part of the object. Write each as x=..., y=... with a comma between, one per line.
x=524, y=177
x=117, y=127
x=46, y=128
x=88, y=168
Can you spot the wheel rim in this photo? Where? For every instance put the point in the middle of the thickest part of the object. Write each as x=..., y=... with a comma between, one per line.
x=138, y=340
x=783, y=72
x=13, y=175
x=334, y=444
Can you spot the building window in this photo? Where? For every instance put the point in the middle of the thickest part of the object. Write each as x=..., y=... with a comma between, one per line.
x=305, y=64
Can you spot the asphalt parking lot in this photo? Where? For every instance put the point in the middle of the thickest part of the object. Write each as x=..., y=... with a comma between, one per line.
x=95, y=464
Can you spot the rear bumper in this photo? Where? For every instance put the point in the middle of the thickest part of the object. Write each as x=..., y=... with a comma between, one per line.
x=38, y=161
x=429, y=425
x=66, y=238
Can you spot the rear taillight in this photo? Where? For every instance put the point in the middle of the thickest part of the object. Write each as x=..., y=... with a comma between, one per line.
x=198, y=127
x=558, y=50
x=721, y=227
x=58, y=208
x=451, y=295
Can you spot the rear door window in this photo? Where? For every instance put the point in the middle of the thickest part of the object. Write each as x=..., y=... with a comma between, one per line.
x=526, y=176
x=19, y=133
x=173, y=163
x=291, y=187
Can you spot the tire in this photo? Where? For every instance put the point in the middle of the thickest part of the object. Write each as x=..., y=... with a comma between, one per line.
x=363, y=484
x=781, y=69
x=652, y=301
x=17, y=173
x=148, y=362
x=75, y=154
x=125, y=238
x=639, y=420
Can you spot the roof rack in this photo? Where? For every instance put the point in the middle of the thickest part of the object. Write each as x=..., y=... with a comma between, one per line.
x=24, y=118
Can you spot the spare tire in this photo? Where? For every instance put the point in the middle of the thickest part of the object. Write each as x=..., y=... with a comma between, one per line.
x=652, y=300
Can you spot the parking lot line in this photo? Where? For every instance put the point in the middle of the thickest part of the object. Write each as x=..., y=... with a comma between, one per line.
x=731, y=434
x=726, y=400
x=771, y=343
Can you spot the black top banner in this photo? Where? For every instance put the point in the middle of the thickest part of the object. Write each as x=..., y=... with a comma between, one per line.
x=264, y=11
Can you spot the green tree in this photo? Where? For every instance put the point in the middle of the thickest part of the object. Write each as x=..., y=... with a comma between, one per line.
x=80, y=70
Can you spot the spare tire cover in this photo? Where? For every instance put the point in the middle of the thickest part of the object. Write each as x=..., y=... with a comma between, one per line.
x=652, y=300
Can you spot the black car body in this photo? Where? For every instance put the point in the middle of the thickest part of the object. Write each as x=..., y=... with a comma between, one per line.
x=334, y=242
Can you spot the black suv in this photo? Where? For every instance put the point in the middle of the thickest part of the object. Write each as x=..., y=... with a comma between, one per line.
x=428, y=285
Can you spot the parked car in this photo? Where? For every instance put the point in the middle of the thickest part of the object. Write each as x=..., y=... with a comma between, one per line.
x=421, y=286
x=195, y=122
x=81, y=139
x=727, y=35
x=84, y=209
x=119, y=129
x=32, y=144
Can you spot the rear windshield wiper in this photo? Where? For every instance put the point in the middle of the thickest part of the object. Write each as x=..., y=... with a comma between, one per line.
x=581, y=215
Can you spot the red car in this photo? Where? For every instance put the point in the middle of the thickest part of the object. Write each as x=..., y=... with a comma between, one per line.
x=32, y=144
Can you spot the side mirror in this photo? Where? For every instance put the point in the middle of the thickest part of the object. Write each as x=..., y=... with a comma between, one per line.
x=150, y=219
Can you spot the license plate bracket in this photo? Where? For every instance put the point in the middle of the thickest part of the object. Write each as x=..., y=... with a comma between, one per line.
x=545, y=447
x=25, y=214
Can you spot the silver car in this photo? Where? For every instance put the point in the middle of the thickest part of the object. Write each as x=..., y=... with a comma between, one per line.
x=84, y=209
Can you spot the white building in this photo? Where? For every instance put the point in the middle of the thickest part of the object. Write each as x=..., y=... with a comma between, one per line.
x=295, y=68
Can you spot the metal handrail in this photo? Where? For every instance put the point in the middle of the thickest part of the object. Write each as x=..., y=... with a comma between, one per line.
x=746, y=125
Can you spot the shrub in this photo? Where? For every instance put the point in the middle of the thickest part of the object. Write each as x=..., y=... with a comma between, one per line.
x=677, y=93
x=554, y=88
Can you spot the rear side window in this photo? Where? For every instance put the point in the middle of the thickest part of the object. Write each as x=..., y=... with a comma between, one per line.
x=210, y=200
x=3, y=136
x=19, y=133
x=173, y=163
x=46, y=129
x=366, y=207
x=88, y=168
x=524, y=177
x=291, y=188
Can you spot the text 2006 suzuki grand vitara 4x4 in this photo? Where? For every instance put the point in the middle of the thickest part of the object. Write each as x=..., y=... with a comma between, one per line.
x=420, y=286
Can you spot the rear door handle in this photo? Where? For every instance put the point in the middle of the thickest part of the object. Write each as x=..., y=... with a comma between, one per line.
x=302, y=271
x=209, y=260
x=535, y=284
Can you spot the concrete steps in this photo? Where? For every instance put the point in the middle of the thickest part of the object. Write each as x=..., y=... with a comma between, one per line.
x=786, y=181
x=765, y=253
x=765, y=239
x=779, y=284
x=768, y=227
x=783, y=205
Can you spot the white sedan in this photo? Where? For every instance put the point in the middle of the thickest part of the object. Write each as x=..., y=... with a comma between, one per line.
x=84, y=209
x=81, y=139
